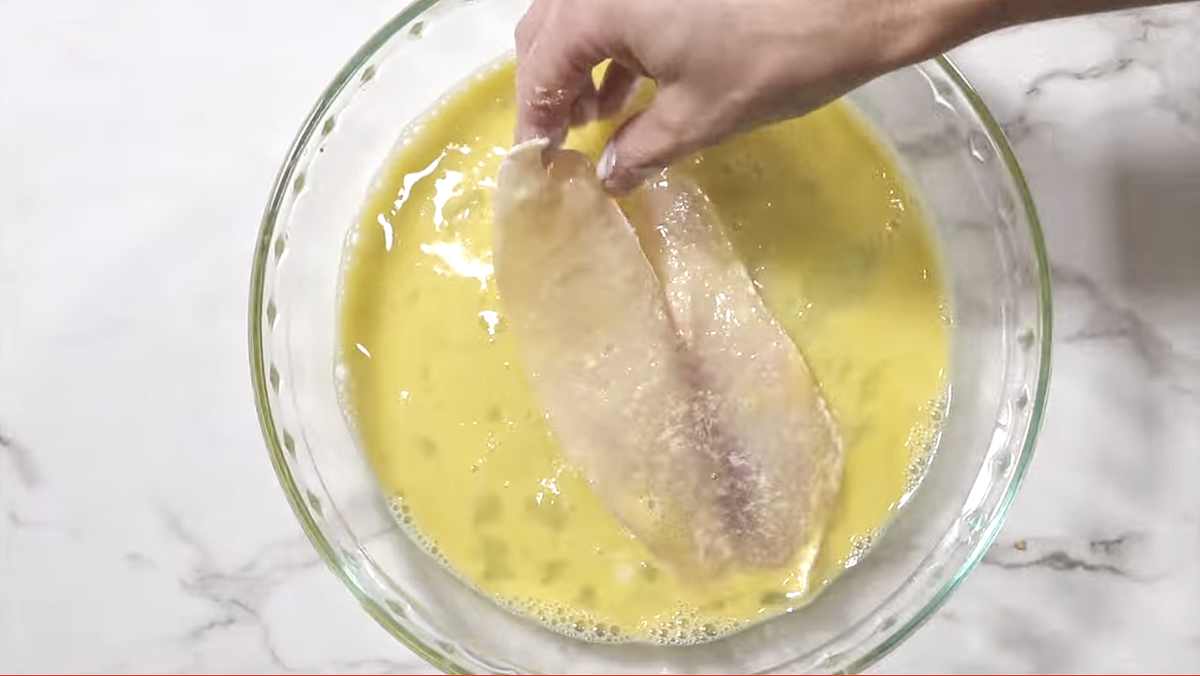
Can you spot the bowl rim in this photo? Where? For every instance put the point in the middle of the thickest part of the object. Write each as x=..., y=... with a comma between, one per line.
x=344, y=78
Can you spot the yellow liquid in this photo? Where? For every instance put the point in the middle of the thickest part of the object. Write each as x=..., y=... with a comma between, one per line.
x=443, y=409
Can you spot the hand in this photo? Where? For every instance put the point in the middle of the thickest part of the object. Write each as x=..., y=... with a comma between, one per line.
x=722, y=66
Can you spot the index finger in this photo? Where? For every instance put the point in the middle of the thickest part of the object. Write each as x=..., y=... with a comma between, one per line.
x=562, y=43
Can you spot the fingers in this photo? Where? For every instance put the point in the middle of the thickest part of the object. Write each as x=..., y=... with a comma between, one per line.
x=609, y=99
x=615, y=90
x=586, y=107
x=558, y=44
x=672, y=127
x=528, y=27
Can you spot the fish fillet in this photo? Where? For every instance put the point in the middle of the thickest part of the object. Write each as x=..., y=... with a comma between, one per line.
x=779, y=453
x=667, y=383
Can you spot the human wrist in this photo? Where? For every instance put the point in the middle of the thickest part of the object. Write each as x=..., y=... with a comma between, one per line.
x=910, y=31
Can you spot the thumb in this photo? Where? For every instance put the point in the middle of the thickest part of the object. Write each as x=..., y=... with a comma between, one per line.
x=669, y=129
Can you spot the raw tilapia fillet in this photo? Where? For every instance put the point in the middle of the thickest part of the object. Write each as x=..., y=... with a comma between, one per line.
x=665, y=379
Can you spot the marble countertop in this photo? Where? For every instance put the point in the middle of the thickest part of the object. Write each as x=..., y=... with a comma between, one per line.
x=141, y=526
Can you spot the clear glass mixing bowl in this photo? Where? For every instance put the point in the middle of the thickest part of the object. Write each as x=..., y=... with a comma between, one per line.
x=971, y=187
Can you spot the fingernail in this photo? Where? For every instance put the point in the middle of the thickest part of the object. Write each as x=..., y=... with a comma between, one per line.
x=555, y=135
x=608, y=160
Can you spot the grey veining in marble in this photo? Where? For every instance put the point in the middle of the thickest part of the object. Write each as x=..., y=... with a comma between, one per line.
x=141, y=527
x=24, y=466
x=1098, y=567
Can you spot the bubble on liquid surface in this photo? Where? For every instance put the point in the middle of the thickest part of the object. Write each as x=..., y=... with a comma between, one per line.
x=685, y=626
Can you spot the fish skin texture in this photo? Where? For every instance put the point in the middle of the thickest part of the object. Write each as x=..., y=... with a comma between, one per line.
x=665, y=379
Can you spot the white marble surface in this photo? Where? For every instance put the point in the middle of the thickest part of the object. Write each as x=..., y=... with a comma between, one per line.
x=141, y=527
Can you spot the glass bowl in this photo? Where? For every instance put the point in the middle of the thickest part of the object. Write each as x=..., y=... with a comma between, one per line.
x=964, y=172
